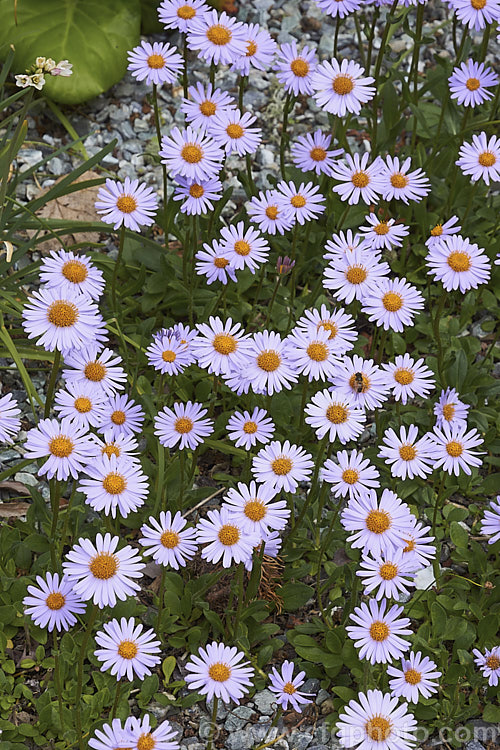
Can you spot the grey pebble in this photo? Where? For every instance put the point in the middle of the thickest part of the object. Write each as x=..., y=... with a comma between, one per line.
x=322, y=696
x=474, y=745
x=299, y=740
x=57, y=166
x=240, y=740
x=265, y=702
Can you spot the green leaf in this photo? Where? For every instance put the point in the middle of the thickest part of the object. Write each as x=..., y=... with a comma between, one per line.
x=459, y=535
x=491, y=713
x=295, y=595
x=167, y=667
x=93, y=35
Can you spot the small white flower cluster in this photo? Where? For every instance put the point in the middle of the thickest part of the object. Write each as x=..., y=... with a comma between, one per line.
x=35, y=76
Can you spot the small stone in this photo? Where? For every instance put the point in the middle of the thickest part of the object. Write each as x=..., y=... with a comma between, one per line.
x=474, y=745
x=57, y=166
x=243, y=712
x=28, y=157
x=141, y=125
x=265, y=702
x=300, y=740
x=240, y=740
x=204, y=729
x=311, y=686
x=322, y=696
x=25, y=478
x=233, y=723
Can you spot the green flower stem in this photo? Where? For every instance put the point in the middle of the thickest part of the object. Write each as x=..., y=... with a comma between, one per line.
x=373, y=26
x=360, y=42
x=52, y=383
x=241, y=597
x=117, y=266
x=161, y=598
x=293, y=277
x=381, y=347
x=484, y=45
x=242, y=84
x=79, y=679
x=182, y=478
x=57, y=677
x=251, y=182
x=213, y=723
x=324, y=545
x=164, y=168
x=116, y=700
x=66, y=516
x=289, y=102
x=311, y=494
x=270, y=307
x=55, y=497
x=437, y=336
x=213, y=68
x=161, y=475
x=437, y=504
x=336, y=37
x=378, y=65
x=416, y=50
x=305, y=388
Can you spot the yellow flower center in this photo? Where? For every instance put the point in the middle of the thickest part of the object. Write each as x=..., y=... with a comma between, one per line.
x=221, y=262
x=118, y=417
x=437, y=231
x=83, y=405
x=255, y=510
x=156, y=61
x=388, y=571
x=337, y=414
x=55, y=600
x=219, y=672
x=169, y=539
x=146, y=742
x=328, y=326
x=459, y=262
x=404, y=376
x=360, y=179
x=378, y=728
x=94, y=371
x=493, y=662
x=356, y=274
x=168, y=356
x=75, y=271
x=234, y=130
x=289, y=688
x=317, y=351
x=272, y=212
x=448, y=412
x=412, y=676
x=186, y=12
x=299, y=67
x=410, y=545
x=487, y=159
x=111, y=450
x=250, y=427
x=62, y=314
x=454, y=449
x=472, y=84
x=127, y=649
x=355, y=386
x=318, y=153
x=269, y=360
x=228, y=535
x=379, y=631
x=126, y=204
x=103, y=566
x=378, y=521
x=208, y=108
x=399, y=180
x=392, y=301
x=343, y=85
x=183, y=425
x=350, y=476
x=281, y=466
x=61, y=446
x=224, y=344
x=196, y=191
x=478, y=4
x=241, y=247
x=407, y=452
x=114, y=483
x=381, y=228
x=251, y=49
x=192, y=153
x=219, y=35
x=298, y=201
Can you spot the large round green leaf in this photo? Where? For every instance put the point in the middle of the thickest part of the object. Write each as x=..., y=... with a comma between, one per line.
x=94, y=35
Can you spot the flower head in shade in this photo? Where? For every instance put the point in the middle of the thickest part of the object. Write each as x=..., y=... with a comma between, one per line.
x=225, y=538
x=342, y=245
x=339, y=8
x=416, y=545
x=180, y=14
x=246, y=430
x=10, y=424
x=401, y=184
x=169, y=354
x=271, y=211
x=409, y=378
x=458, y=263
x=219, y=671
x=254, y=507
x=270, y=368
x=96, y=368
x=155, y=63
x=476, y=14
x=245, y=248
x=377, y=633
x=123, y=445
x=440, y=231
x=359, y=181
x=81, y=403
x=198, y=197
x=311, y=153
x=351, y=474
x=389, y=575
x=139, y=735
x=312, y=352
x=342, y=87
x=294, y=69
x=469, y=83
x=62, y=322
x=71, y=273
x=114, y=484
x=169, y=540
x=125, y=650
x=109, y=736
x=67, y=446
x=490, y=523
x=217, y=38
x=214, y=262
x=383, y=233
x=191, y=153
x=305, y=201
x=375, y=720
x=53, y=604
x=452, y=448
x=416, y=677
x=284, y=265
x=489, y=663
x=205, y=103
x=282, y=465
x=232, y=131
x=130, y=204
x=377, y=526
x=121, y=415
x=392, y=304
x=449, y=409
x=481, y=158
x=353, y=276
x=363, y=380
x=260, y=51
x=183, y=424
x=221, y=346
x=339, y=324
x=407, y=456
x=335, y=414
x=286, y=687
x=100, y=572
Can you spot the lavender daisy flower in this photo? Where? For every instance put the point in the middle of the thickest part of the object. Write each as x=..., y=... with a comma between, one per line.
x=121, y=415
x=197, y=196
x=449, y=409
x=339, y=8
x=458, y=263
x=271, y=211
x=376, y=721
x=182, y=424
x=63, y=323
x=417, y=545
x=169, y=355
x=282, y=465
x=409, y=378
x=191, y=154
x=101, y=572
x=269, y=368
x=206, y=103
x=67, y=446
x=452, y=448
x=231, y=131
x=481, y=158
x=342, y=245
x=389, y=575
x=169, y=541
x=218, y=38
x=246, y=429
x=125, y=650
x=407, y=456
x=305, y=201
x=53, y=604
x=221, y=346
x=114, y=484
x=225, y=538
x=139, y=735
x=155, y=63
x=352, y=475
x=70, y=273
x=312, y=353
x=359, y=181
x=362, y=380
x=377, y=526
x=254, y=507
x=132, y=204
x=393, y=304
x=443, y=230
x=377, y=633
x=218, y=671
x=246, y=248
x=180, y=14
x=469, y=83
x=335, y=414
x=417, y=677
x=109, y=736
x=214, y=263
x=123, y=445
x=489, y=663
x=342, y=87
x=260, y=52
x=310, y=153
x=99, y=369
x=354, y=276
x=490, y=523
x=339, y=324
x=10, y=424
x=81, y=403
x=295, y=69
x=286, y=687
x=399, y=183
x=380, y=234
x=476, y=14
